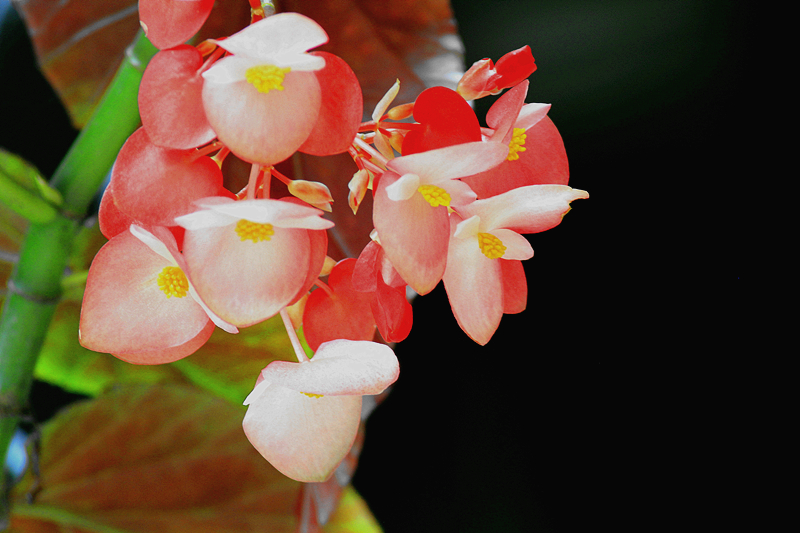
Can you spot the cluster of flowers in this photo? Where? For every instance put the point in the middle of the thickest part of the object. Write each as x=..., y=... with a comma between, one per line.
x=185, y=255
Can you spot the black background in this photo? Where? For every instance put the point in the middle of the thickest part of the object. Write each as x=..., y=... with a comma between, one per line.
x=609, y=402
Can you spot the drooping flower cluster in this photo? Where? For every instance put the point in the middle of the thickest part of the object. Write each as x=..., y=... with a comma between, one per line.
x=185, y=254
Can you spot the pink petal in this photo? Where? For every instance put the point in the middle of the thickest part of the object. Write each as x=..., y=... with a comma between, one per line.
x=171, y=101
x=168, y=23
x=304, y=437
x=340, y=110
x=543, y=161
x=124, y=311
x=413, y=235
x=504, y=112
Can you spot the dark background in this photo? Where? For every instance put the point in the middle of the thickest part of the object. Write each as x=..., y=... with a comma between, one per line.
x=613, y=401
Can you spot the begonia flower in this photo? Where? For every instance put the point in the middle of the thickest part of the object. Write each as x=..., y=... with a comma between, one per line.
x=411, y=202
x=250, y=258
x=135, y=305
x=536, y=154
x=486, y=233
x=303, y=417
x=484, y=77
x=265, y=101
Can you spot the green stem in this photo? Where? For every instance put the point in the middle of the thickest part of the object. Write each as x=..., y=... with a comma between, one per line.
x=35, y=285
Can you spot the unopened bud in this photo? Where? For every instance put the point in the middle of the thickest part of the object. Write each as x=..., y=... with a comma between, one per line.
x=327, y=266
x=358, y=188
x=313, y=192
x=401, y=111
x=296, y=311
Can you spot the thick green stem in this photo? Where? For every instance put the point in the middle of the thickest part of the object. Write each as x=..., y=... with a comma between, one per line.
x=35, y=285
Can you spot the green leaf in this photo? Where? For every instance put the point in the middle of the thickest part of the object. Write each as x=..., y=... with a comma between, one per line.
x=23, y=190
x=352, y=515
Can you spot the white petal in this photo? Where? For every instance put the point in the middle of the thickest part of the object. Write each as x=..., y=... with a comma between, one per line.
x=468, y=228
x=153, y=243
x=279, y=35
x=404, y=188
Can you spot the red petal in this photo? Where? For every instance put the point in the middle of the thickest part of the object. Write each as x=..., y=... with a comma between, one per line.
x=340, y=110
x=392, y=312
x=447, y=119
x=171, y=99
x=515, y=287
x=169, y=23
x=514, y=67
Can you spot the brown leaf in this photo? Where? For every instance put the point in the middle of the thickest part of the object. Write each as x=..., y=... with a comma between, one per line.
x=155, y=459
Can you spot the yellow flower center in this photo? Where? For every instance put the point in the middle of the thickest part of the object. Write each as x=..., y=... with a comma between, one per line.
x=434, y=195
x=491, y=246
x=517, y=144
x=172, y=282
x=266, y=77
x=310, y=395
x=254, y=231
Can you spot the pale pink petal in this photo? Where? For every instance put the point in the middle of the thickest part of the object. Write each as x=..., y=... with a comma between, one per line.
x=451, y=162
x=304, y=437
x=531, y=114
x=283, y=34
x=527, y=209
x=263, y=128
x=460, y=193
x=339, y=367
x=246, y=282
x=517, y=246
x=474, y=287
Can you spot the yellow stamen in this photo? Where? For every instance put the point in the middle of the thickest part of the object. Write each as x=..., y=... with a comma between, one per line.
x=254, y=231
x=434, y=195
x=517, y=144
x=266, y=77
x=310, y=395
x=491, y=246
x=172, y=282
